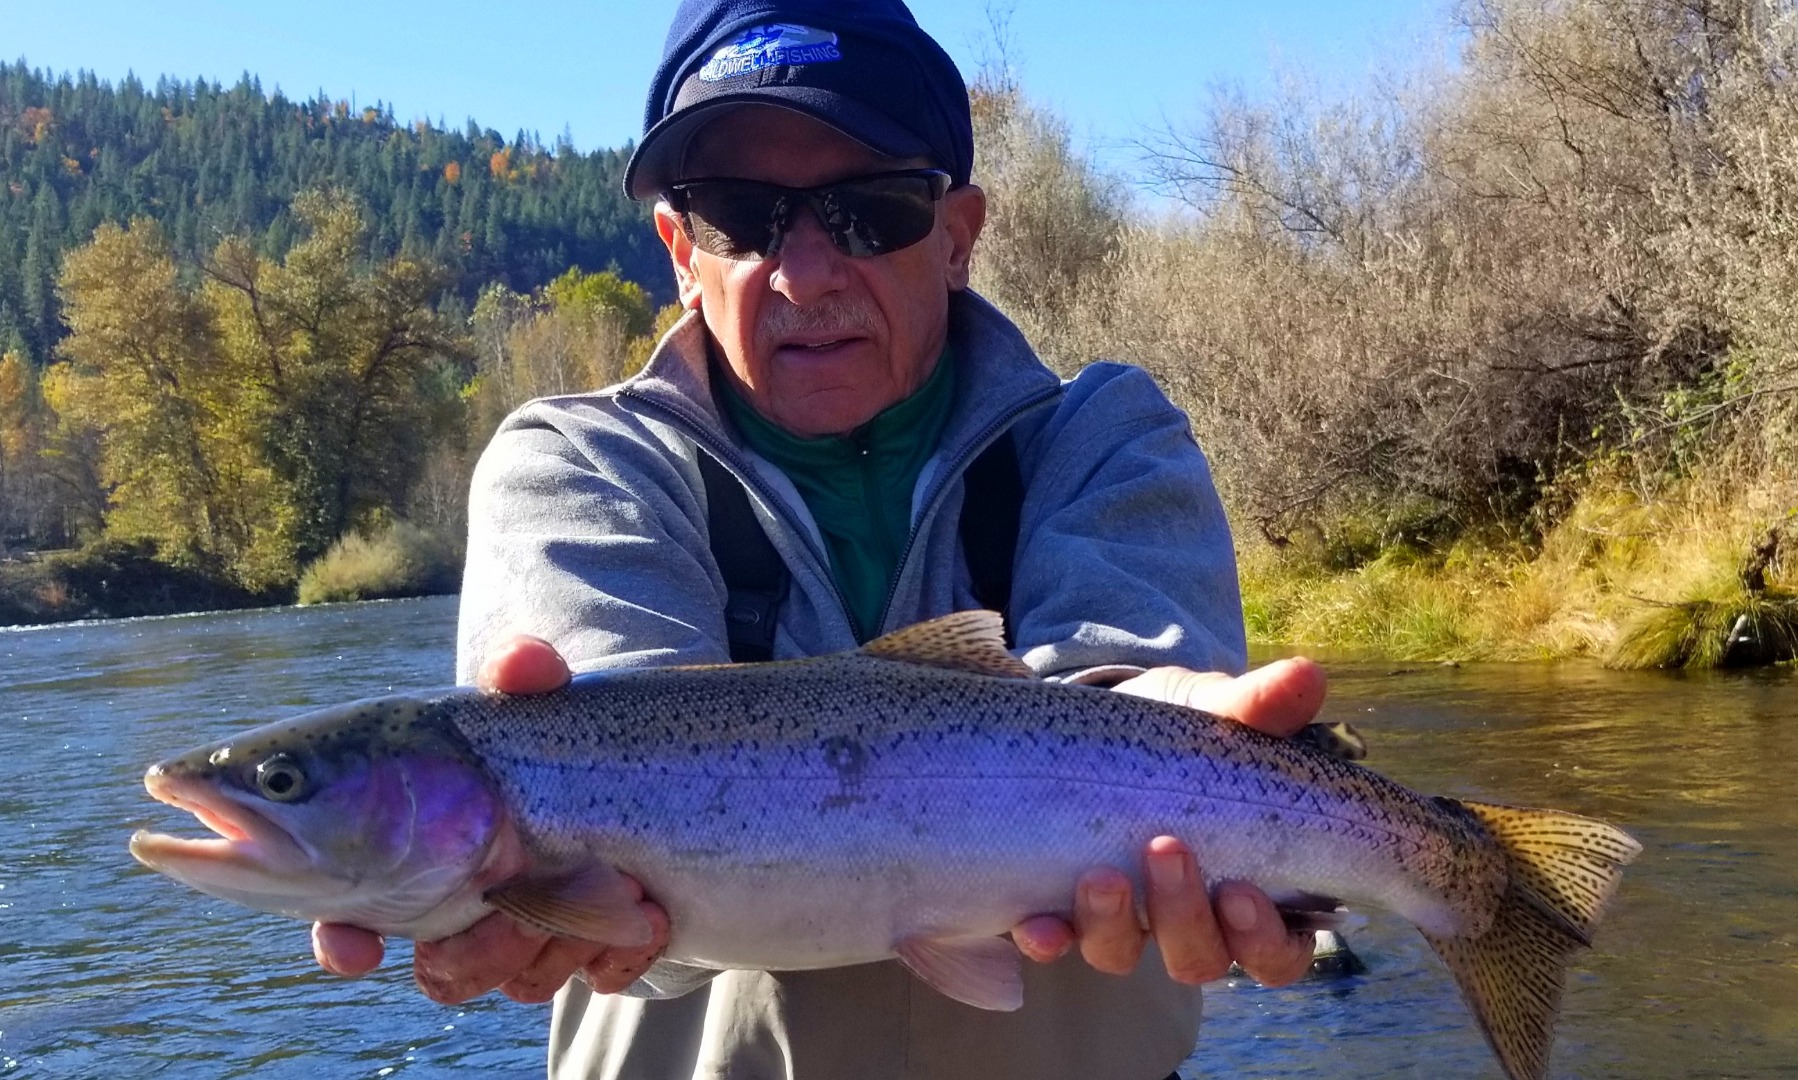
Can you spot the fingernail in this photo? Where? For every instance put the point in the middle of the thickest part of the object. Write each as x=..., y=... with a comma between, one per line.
x=1167, y=871
x=1105, y=901
x=1240, y=912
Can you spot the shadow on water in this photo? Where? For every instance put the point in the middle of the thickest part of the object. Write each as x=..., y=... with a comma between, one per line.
x=107, y=969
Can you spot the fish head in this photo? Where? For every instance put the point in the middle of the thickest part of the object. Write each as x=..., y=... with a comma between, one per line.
x=374, y=813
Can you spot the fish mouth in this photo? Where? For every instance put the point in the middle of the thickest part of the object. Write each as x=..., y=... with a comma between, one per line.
x=247, y=853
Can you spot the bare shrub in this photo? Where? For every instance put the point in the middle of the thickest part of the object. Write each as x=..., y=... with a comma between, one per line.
x=1456, y=291
x=1054, y=221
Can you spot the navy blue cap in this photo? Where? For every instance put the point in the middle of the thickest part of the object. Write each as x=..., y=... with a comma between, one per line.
x=862, y=66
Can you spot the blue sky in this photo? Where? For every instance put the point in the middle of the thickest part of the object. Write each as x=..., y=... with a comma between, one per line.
x=583, y=66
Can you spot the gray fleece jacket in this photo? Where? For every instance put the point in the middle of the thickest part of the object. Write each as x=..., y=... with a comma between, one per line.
x=588, y=528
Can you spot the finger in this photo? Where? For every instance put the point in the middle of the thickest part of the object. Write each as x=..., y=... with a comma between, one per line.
x=1192, y=946
x=479, y=959
x=1111, y=938
x=1278, y=699
x=349, y=951
x=1044, y=938
x=523, y=665
x=616, y=969
x=554, y=965
x=1258, y=938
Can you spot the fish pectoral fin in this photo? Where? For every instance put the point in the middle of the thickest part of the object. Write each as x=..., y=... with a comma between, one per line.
x=985, y=972
x=965, y=641
x=593, y=904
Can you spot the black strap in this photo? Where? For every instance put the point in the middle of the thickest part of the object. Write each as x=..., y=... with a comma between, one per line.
x=755, y=578
x=991, y=504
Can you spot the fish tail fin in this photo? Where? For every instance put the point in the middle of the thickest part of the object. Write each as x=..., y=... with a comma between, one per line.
x=1563, y=870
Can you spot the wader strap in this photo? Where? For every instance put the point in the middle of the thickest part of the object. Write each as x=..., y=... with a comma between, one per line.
x=755, y=578
x=991, y=502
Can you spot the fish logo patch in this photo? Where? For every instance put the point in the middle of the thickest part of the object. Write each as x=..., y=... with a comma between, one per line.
x=771, y=45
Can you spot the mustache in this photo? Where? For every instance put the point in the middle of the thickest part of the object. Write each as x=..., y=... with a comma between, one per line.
x=847, y=318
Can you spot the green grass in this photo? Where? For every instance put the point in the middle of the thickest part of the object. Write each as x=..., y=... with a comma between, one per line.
x=1698, y=634
x=1635, y=583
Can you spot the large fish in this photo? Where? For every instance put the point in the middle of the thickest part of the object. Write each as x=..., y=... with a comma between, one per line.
x=914, y=798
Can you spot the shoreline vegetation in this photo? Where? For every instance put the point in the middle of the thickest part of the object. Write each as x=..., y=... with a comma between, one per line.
x=1491, y=362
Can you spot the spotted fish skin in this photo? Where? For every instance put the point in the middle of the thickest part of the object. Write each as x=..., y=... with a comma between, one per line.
x=916, y=798
x=926, y=797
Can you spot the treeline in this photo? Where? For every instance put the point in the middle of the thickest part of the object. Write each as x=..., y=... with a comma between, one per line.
x=234, y=417
x=1537, y=307
x=207, y=161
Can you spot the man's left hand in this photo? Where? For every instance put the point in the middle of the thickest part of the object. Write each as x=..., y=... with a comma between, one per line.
x=1198, y=935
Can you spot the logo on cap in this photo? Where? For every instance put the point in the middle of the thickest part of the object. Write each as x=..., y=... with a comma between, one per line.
x=768, y=46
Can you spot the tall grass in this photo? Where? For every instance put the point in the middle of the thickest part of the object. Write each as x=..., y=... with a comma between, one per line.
x=1635, y=582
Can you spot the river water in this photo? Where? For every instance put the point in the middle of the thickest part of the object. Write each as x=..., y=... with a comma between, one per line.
x=109, y=970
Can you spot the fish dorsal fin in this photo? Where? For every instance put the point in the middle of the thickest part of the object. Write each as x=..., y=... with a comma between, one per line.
x=965, y=641
x=985, y=972
x=593, y=904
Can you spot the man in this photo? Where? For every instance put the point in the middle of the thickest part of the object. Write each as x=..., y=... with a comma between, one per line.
x=811, y=159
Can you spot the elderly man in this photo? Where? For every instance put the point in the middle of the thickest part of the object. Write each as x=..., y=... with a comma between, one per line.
x=811, y=161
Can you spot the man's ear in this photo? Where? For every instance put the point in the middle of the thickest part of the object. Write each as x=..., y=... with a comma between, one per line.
x=680, y=252
x=964, y=213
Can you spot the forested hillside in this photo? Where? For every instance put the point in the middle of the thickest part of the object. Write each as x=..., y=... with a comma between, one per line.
x=207, y=161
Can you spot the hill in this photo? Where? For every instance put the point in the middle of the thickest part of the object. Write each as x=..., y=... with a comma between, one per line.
x=207, y=161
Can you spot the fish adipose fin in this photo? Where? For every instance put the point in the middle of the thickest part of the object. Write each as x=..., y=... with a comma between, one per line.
x=1563, y=870
x=985, y=972
x=965, y=641
x=595, y=904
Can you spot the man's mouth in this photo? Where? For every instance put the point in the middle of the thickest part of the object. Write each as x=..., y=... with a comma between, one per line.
x=817, y=347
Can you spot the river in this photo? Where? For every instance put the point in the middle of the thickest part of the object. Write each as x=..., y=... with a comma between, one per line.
x=109, y=970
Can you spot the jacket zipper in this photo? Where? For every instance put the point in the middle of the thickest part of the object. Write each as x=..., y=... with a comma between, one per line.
x=940, y=487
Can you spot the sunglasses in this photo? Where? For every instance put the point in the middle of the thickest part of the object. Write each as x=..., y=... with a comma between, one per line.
x=864, y=216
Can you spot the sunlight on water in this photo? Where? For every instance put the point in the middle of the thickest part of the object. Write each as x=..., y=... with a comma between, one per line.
x=109, y=970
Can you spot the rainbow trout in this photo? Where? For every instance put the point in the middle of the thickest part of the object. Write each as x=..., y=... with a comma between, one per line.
x=914, y=798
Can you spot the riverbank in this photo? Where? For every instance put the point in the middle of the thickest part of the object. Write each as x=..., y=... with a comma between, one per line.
x=112, y=579
x=1705, y=577
x=117, y=579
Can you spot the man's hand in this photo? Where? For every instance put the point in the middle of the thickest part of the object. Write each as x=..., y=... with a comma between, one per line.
x=498, y=953
x=1198, y=935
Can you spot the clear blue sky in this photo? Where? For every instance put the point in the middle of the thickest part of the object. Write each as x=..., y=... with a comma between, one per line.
x=583, y=66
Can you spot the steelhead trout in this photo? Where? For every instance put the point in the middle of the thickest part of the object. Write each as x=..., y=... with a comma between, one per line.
x=915, y=798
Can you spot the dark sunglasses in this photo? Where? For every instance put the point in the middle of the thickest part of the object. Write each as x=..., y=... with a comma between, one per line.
x=864, y=216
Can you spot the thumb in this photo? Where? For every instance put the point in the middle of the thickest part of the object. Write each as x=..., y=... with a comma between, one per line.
x=1277, y=699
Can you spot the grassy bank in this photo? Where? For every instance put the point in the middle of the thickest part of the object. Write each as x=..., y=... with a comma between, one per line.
x=1705, y=577
x=116, y=579
x=113, y=579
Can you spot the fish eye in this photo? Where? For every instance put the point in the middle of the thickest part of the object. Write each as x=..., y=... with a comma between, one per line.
x=280, y=779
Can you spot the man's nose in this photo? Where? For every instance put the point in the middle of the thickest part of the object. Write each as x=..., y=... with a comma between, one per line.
x=808, y=266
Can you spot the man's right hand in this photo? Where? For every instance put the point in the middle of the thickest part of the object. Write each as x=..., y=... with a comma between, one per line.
x=497, y=953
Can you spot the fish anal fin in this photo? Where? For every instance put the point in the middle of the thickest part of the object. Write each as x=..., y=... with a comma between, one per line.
x=985, y=972
x=1310, y=911
x=594, y=903
x=965, y=641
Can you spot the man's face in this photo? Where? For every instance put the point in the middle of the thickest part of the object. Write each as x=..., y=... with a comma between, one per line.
x=816, y=341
